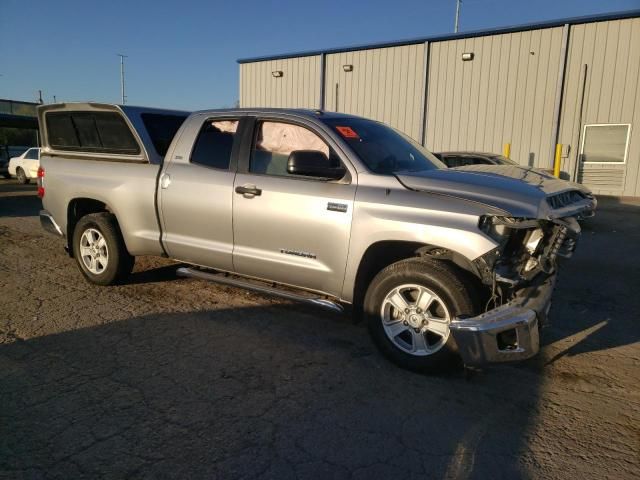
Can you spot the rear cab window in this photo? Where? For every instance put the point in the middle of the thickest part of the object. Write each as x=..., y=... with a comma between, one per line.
x=93, y=132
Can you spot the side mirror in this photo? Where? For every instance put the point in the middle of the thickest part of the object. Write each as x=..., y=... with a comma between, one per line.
x=312, y=163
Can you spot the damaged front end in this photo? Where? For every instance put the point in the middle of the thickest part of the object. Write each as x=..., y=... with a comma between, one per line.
x=520, y=275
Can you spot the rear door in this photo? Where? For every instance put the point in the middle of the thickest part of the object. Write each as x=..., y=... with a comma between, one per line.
x=195, y=193
x=290, y=229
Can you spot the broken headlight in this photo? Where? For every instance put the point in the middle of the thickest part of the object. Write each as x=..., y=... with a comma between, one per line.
x=499, y=227
x=495, y=227
x=520, y=242
x=534, y=239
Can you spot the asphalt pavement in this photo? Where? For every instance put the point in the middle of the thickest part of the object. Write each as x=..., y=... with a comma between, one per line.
x=165, y=377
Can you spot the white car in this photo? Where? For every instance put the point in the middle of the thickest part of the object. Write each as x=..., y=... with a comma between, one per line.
x=25, y=166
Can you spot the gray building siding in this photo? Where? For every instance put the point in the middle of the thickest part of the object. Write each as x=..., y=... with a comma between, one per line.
x=504, y=95
x=299, y=86
x=609, y=94
x=386, y=84
x=508, y=93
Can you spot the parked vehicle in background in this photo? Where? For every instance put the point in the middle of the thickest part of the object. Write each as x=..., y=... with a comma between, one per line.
x=4, y=161
x=475, y=161
x=6, y=153
x=462, y=159
x=441, y=263
x=25, y=167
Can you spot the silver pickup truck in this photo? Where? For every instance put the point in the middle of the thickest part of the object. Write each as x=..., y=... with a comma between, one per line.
x=319, y=207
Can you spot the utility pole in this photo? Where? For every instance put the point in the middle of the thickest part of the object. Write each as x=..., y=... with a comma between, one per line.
x=40, y=97
x=54, y=99
x=124, y=97
x=455, y=27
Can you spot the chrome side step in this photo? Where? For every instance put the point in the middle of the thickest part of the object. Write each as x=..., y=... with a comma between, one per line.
x=219, y=278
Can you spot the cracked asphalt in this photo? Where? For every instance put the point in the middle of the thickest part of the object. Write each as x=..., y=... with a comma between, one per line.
x=175, y=378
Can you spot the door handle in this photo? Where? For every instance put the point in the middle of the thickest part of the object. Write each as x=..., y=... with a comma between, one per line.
x=165, y=180
x=248, y=190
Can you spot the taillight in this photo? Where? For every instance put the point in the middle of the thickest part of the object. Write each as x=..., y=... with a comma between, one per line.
x=40, y=182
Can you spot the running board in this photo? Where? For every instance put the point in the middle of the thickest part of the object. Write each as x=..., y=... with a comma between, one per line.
x=219, y=278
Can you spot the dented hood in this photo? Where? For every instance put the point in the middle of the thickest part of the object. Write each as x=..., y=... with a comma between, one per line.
x=518, y=191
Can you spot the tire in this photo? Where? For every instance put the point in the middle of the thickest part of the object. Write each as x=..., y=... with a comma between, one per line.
x=415, y=334
x=21, y=176
x=99, y=249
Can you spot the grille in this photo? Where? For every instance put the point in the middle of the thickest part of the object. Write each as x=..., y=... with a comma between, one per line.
x=560, y=200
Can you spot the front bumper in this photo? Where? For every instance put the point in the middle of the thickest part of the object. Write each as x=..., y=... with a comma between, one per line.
x=507, y=333
x=49, y=224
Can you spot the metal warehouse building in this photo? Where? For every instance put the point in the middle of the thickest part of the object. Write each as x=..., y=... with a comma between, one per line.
x=573, y=82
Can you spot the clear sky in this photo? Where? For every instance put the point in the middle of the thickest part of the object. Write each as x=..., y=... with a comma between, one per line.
x=182, y=53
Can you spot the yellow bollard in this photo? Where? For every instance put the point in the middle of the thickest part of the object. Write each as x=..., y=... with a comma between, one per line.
x=557, y=160
x=506, y=150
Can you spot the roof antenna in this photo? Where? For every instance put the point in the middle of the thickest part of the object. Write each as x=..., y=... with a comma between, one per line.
x=122, y=57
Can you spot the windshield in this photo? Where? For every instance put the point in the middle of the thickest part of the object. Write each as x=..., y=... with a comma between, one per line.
x=383, y=149
x=501, y=160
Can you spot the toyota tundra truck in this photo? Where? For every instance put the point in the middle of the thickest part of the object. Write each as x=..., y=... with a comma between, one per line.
x=318, y=207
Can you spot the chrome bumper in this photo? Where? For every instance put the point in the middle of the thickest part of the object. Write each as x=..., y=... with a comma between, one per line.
x=507, y=333
x=49, y=224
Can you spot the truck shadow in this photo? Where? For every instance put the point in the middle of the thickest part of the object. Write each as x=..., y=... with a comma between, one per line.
x=162, y=274
x=240, y=392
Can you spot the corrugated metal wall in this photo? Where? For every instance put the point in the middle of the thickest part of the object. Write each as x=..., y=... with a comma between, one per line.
x=299, y=85
x=610, y=94
x=386, y=84
x=504, y=95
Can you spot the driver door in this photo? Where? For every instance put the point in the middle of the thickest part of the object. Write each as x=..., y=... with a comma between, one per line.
x=289, y=228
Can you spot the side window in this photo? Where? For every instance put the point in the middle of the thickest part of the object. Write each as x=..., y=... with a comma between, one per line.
x=162, y=128
x=479, y=161
x=32, y=154
x=274, y=142
x=464, y=161
x=214, y=144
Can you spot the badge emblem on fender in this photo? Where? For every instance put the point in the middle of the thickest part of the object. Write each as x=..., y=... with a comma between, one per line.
x=297, y=253
x=337, y=207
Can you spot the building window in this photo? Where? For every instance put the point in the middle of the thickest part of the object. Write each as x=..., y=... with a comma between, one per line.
x=605, y=143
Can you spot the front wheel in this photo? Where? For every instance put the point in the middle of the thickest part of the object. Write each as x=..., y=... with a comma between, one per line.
x=21, y=176
x=100, y=250
x=409, y=307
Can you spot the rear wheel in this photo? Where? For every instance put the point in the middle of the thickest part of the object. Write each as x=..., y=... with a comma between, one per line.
x=409, y=307
x=22, y=177
x=100, y=250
